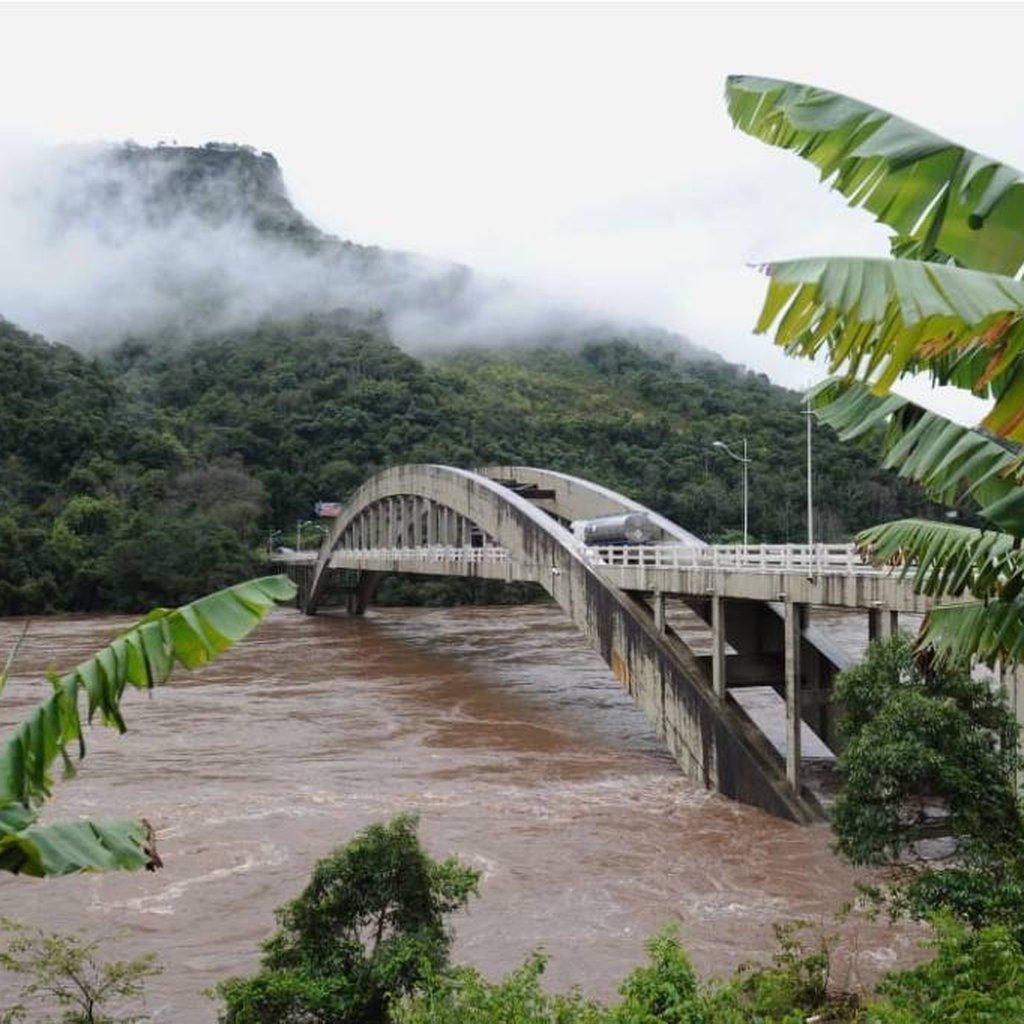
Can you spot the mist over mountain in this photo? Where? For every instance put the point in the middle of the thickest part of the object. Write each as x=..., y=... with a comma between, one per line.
x=105, y=242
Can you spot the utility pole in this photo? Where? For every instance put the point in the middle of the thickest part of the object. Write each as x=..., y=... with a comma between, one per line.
x=298, y=534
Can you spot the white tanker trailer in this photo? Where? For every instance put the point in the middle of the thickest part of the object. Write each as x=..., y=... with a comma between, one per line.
x=626, y=528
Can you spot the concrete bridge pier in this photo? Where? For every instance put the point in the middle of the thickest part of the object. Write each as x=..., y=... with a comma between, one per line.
x=794, y=622
x=757, y=648
x=354, y=588
x=360, y=594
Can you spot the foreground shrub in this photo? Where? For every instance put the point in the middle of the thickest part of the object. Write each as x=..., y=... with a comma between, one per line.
x=463, y=995
x=976, y=977
x=665, y=990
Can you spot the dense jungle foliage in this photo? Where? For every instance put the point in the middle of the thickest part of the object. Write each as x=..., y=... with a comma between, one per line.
x=156, y=472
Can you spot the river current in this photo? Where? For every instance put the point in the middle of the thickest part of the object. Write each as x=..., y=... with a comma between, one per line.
x=498, y=726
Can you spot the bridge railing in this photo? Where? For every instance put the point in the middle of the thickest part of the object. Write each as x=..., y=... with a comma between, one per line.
x=434, y=553
x=817, y=559
x=842, y=559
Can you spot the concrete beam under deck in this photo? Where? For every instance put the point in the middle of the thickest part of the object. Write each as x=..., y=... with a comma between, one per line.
x=833, y=589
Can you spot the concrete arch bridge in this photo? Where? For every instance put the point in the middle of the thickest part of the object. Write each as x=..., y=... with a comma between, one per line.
x=746, y=714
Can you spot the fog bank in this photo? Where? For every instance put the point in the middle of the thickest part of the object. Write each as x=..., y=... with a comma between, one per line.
x=104, y=242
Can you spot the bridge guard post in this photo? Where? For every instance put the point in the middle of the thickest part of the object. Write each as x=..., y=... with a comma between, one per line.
x=718, y=644
x=796, y=616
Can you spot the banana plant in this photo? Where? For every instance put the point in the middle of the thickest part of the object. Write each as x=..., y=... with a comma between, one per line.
x=142, y=657
x=948, y=304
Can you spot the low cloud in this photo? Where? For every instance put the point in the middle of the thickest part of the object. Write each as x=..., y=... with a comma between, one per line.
x=105, y=242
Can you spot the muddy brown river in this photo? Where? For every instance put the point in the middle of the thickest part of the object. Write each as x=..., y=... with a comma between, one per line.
x=498, y=726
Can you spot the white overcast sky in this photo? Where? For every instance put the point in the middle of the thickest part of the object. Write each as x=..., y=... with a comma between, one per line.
x=581, y=148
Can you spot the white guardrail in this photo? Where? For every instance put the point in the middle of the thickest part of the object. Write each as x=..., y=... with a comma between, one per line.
x=818, y=559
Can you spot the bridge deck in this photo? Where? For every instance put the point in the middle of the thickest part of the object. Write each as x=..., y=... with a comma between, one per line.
x=825, y=575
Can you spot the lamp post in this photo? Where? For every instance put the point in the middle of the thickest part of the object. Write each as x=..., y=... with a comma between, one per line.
x=298, y=530
x=746, y=483
x=810, y=478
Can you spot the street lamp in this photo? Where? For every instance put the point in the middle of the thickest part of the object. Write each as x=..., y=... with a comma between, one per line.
x=810, y=477
x=746, y=486
x=298, y=531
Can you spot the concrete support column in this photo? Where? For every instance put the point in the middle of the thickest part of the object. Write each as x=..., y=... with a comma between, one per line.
x=882, y=623
x=796, y=615
x=718, y=644
x=1012, y=681
x=659, y=611
x=414, y=528
x=431, y=524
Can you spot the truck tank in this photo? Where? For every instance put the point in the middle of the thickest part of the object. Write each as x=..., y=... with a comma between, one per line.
x=627, y=528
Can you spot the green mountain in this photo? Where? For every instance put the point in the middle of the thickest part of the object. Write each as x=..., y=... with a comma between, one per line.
x=154, y=470
x=153, y=474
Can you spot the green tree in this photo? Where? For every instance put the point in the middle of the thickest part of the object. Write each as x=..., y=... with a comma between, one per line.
x=65, y=973
x=368, y=929
x=930, y=751
x=947, y=305
x=142, y=657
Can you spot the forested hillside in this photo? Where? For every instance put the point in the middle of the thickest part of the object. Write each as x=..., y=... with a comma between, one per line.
x=246, y=364
x=156, y=472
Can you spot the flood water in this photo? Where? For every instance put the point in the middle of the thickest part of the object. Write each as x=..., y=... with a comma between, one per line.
x=497, y=725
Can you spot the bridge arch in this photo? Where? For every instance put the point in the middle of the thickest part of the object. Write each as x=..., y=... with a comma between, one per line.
x=711, y=741
x=572, y=498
